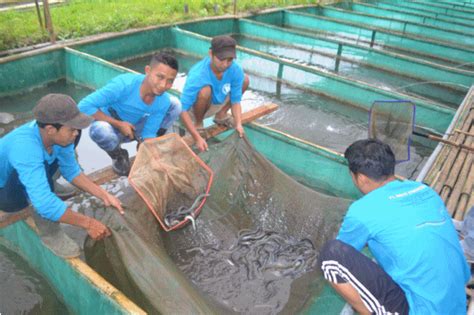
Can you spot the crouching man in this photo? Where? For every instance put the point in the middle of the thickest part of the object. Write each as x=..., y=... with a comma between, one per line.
x=31, y=154
x=133, y=107
x=419, y=266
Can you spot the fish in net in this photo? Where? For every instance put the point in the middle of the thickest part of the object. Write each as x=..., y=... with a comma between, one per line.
x=171, y=179
x=254, y=250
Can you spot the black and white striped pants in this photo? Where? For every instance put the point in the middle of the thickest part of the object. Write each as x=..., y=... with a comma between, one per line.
x=342, y=263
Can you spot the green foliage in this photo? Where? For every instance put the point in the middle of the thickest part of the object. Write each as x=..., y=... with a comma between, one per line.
x=79, y=18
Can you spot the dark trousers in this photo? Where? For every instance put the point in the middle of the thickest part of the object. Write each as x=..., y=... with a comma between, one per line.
x=13, y=196
x=342, y=263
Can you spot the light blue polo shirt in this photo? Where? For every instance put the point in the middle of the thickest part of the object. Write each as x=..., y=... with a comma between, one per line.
x=123, y=94
x=408, y=230
x=23, y=150
x=201, y=75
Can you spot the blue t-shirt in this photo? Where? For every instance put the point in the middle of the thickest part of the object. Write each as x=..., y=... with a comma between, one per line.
x=201, y=75
x=123, y=94
x=408, y=230
x=23, y=150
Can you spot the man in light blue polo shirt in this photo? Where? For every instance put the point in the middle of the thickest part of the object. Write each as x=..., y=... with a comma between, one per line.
x=215, y=84
x=421, y=267
x=133, y=107
x=31, y=154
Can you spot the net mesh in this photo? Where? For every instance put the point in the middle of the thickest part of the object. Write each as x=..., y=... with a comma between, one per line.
x=188, y=271
x=171, y=179
x=392, y=122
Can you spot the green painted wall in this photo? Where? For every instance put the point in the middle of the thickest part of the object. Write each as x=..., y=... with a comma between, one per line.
x=77, y=292
x=90, y=71
x=433, y=7
x=31, y=71
x=423, y=12
x=413, y=17
x=315, y=167
x=213, y=27
x=128, y=45
x=388, y=61
x=430, y=48
x=429, y=115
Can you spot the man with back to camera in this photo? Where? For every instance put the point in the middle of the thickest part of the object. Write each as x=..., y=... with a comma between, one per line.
x=133, y=107
x=420, y=265
x=31, y=154
x=215, y=84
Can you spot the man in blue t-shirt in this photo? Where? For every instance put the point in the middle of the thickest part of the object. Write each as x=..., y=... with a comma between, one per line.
x=213, y=86
x=133, y=107
x=31, y=154
x=420, y=267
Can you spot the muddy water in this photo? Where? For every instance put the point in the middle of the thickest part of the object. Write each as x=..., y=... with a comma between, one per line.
x=23, y=290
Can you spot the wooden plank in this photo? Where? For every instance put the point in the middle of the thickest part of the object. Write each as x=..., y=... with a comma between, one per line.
x=105, y=287
x=9, y=218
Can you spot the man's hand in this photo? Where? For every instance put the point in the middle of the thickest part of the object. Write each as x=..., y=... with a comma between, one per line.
x=97, y=230
x=240, y=130
x=126, y=128
x=113, y=201
x=201, y=144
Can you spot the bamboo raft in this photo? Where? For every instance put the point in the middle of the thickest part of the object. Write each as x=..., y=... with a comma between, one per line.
x=452, y=173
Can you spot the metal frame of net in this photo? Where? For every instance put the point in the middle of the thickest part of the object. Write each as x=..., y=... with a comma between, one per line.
x=393, y=122
x=171, y=179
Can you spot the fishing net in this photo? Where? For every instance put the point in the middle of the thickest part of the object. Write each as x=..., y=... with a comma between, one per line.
x=253, y=250
x=393, y=122
x=171, y=179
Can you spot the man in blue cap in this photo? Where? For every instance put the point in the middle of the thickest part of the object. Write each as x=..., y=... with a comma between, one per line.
x=31, y=154
x=213, y=86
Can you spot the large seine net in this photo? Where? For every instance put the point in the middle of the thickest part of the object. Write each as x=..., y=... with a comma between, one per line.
x=254, y=249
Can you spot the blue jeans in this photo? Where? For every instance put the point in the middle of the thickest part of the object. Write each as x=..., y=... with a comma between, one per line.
x=109, y=138
x=13, y=196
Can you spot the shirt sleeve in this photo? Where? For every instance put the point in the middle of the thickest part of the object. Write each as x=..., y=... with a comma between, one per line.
x=103, y=97
x=190, y=92
x=32, y=174
x=236, y=85
x=68, y=165
x=353, y=232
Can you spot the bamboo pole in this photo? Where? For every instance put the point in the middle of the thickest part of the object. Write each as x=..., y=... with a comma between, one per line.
x=453, y=153
x=466, y=194
x=49, y=21
x=433, y=177
x=38, y=12
x=462, y=178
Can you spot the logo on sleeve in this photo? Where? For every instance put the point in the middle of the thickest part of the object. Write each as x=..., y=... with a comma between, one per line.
x=226, y=88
